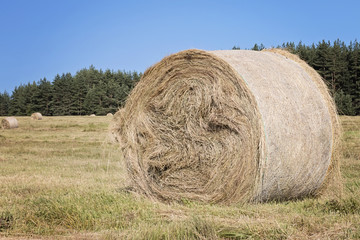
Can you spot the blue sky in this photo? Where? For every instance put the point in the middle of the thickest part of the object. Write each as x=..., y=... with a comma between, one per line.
x=40, y=38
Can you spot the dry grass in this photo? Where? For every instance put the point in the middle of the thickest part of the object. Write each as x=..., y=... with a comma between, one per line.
x=61, y=179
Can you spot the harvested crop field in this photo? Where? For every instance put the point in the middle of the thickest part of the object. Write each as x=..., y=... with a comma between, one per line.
x=63, y=178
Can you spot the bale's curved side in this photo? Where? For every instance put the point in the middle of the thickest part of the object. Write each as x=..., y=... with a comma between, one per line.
x=109, y=115
x=297, y=123
x=9, y=122
x=227, y=126
x=36, y=116
x=333, y=176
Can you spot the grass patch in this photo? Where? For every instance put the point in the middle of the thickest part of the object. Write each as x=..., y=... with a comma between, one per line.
x=248, y=232
x=61, y=178
x=6, y=220
x=192, y=228
x=87, y=211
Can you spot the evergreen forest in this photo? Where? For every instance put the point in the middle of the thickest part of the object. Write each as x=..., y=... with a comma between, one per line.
x=92, y=91
x=89, y=91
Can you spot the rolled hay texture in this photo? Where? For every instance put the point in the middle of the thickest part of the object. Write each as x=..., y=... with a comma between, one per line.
x=114, y=126
x=36, y=116
x=229, y=126
x=9, y=122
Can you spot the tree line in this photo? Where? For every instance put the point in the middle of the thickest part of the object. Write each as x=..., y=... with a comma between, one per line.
x=89, y=91
x=338, y=64
x=92, y=91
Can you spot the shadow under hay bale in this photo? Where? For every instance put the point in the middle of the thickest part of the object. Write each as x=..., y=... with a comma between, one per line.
x=9, y=122
x=229, y=126
x=36, y=116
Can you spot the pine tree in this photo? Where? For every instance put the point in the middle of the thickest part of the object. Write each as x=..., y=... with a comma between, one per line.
x=322, y=63
x=354, y=72
x=68, y=99
x=18, y=101
x=35, y=99
x=94, y=100
x=80, y=91
x=114, y=99
x=45, y=96
x=4, y=104
x=57, y=103
x=338, y=65
x=344, y=103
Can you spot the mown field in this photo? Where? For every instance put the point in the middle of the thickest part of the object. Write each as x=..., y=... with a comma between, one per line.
x=61, y=178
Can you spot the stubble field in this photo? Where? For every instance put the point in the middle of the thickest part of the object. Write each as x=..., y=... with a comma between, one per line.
x=61, y=178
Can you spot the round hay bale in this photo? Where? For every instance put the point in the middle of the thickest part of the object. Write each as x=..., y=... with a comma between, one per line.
x=109, y=115
x=92, y=115
x=9, y=122
x=229, y=126
x=36, y=116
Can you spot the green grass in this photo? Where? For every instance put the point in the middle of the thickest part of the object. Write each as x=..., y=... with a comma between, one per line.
x=60, y=178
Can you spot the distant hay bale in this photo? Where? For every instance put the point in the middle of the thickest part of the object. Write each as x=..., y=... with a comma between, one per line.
x=92, y=115
x=36, y=116
x=229, y=126
x=109, y=115
x=9, y=122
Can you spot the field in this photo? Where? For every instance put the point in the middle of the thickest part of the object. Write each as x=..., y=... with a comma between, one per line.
x=61, y=178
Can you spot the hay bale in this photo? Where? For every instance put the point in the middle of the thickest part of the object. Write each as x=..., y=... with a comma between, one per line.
x=36, y=116
x=109, y=115
x=9, y=122
x=92, y=115
x=229, y=126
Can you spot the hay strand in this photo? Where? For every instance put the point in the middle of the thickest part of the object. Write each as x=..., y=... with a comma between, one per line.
x=229, y=126
x=114, y=126
x=36, y=116
x=9, y=122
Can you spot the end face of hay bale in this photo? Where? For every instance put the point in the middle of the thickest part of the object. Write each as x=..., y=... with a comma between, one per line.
x=187, y=133
x=92, y=115
x=36, y=116
x=9, y=122
x=109, y=115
